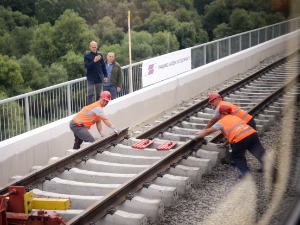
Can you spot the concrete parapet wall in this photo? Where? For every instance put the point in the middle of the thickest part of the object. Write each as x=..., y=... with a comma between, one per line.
x=19, y=154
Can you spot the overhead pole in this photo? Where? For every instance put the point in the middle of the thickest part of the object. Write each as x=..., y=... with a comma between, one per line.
x=130, y=66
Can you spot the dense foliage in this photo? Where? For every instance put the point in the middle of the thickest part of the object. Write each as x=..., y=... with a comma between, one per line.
x=42, y=42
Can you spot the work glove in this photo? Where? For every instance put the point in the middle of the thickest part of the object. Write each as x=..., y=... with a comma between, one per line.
x=115, y=130
x=223, y=144
x=194, y=138
x=204, y=142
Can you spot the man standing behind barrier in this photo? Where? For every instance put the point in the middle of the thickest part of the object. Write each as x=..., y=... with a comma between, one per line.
x=114, y=75
x=89, y=115
x=95, y=72
x=241, y=136
x=216, y=101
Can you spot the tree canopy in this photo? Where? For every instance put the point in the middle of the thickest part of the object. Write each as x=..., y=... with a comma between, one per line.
x=42, y=42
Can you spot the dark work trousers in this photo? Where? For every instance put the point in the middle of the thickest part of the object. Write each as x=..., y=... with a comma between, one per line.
x=91, y=88
x=253, y=145
x=252, y=123
x=81, y=134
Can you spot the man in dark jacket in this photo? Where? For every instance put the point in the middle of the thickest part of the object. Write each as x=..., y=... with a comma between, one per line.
x=114, y=75
x=96, y=72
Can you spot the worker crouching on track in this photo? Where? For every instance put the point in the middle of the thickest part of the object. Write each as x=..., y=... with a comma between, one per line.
x=216, y=101
x=241, y=136
x=89, y=115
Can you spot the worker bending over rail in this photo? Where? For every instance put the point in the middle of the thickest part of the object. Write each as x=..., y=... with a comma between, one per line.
x=89, y=115
x=241, y=136
x=216, y=101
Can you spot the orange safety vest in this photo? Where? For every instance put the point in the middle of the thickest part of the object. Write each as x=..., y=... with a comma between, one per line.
x=87, y=118
x=237, y=111
x=234, y=129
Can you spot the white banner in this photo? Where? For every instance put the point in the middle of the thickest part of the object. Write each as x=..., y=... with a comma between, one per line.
x=166, y=66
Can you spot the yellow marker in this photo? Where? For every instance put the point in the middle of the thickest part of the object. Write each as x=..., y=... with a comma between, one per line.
x=45, y=203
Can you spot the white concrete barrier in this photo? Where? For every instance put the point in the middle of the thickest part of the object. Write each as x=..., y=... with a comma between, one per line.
x=19, y=154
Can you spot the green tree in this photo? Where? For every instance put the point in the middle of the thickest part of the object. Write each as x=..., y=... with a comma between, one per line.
x=274, y=18
x=71, y=33
x=14, y=19
x=73, y=63
x=160, y=22
x=201, y=36
x=42, y=46
x=33, y=73
x=240, y=21
x=13, y=113
x=141, y=46
x=3, y=95
x=93, y=10
x=120, y=15
x=6, y=45
x=249, y=5
x=149, y=6
x=56, y=74
x=108, y=32
x=47, y=11
x=164, y=42
x=200, y=4
x=183, y=15
x=173, y=5
x=26, y=7
x=215, y=13
x=21, y=39
x=258, y=19
x=221, y=31
x=10, y=75
x=186, y=35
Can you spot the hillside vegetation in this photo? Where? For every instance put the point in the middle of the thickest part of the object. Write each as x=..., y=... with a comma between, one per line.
x=42, y=42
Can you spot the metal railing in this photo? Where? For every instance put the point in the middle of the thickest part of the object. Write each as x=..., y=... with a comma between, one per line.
x=28, y=111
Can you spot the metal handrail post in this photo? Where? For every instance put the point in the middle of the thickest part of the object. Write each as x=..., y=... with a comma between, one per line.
x=69, y=99
x=27, y=114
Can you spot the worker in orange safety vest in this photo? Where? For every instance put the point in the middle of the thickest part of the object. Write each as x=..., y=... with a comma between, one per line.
x=241, y=136
x=88, y=116
x=216, y=101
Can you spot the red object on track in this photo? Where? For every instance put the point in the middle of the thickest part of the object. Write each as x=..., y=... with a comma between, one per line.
x=167, y=145
x=144, y=143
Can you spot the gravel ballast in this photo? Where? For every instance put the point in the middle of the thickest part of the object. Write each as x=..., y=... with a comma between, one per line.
x=223, y=198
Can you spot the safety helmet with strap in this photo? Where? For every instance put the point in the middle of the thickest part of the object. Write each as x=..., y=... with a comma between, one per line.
x=213, y=96
x=105, y=95
x=225, y=109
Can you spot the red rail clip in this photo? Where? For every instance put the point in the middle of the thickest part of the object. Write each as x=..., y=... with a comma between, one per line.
x=144, y=143
x=166, y=145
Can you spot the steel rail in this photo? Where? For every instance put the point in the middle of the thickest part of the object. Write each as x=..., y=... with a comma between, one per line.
x=152, y=132
x=102, y=207
x=64, y=163
x=119, y=195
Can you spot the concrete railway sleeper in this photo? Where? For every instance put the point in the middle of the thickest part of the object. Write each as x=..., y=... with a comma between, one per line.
x=115, y=183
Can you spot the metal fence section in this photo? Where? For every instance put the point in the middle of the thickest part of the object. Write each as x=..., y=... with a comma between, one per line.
x=28, y=111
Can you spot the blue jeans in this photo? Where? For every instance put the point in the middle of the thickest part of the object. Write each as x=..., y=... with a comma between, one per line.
x=112, y=88
x=253, y=145
x=91, y=86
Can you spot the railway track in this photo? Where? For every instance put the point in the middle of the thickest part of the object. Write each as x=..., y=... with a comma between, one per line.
x=113, y=182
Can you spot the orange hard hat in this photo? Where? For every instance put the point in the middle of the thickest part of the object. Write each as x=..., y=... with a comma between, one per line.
x=213, y=96
x=105, y=95
x=225, y=109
